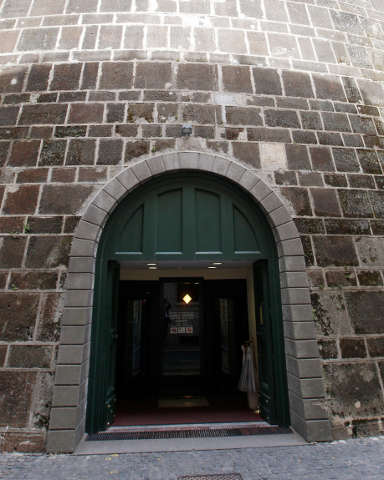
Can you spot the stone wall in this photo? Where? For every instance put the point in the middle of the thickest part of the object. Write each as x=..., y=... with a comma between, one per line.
x=291, y=88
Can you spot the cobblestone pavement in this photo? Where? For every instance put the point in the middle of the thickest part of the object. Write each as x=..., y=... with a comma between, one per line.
x=344, y=460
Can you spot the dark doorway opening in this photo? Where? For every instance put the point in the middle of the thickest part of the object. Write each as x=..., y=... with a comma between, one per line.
x=179, y=352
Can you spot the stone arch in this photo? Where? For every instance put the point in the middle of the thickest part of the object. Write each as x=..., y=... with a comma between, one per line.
x=304, y=371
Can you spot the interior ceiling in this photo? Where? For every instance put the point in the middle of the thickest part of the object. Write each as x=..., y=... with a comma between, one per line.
x=183, y=265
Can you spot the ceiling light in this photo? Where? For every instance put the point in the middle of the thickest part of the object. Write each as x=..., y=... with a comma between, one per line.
x=151, y=264
x=212, y=267
x=217, y=263
x=187, y=298
x=152, y=268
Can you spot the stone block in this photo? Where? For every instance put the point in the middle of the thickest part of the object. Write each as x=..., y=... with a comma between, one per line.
x=21, y=199
x=304, y=368
x=53, y=153
x=136, y=149
x=321, y=158
x=355, y=203
x=369, y=278
x=73, y=335
x=11, y=251
x=329, y=313
x=352, y=389
x=110, y=152
x=66, y=77
x=335, y=250
x=66, y=199
x=48, y=251
x=38, y=39
x=197, y=77
x=365, y=309
x=329, y=87
x=352, y=348
x=287, y=231
x=86, y=113
x=68, y=375
x=325, y=202
x=338, y=278
x=327, y=349
x=30, y=356
x=282, y=45
x=345, y=160
x=306, y=387
x=153, y=75
x=281, y=118
x=76, y=316
x=267, y=81
x=299, y=330
x=298, y=199
x=247, y=152
x=16, y=403
x=81, y=152
x=236, y=79
x=232, y=41
x=257, y=43
x=336, y=122
x=297, y=84
x=79, y=281
x=22, y=308
x=64, y=417
x=297, y=313
x=376, y=346
x=38, y=77
x=43, y=114
x=66, y=396
x=134, y=37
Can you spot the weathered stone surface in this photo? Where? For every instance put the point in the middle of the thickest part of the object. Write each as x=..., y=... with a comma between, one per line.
x=17, y=315
x=11, y=251
x=116, y=75
x=67, y=199
x=325, y=202
x=33, y=280
x=352, y=348
x=14, y=406
x=352, y=389
x=297, y=84
x=330, y=315
x=153, y=75
x=298, y=197
x=366, y=310
x=376, y=347
x=24, y=154
x=197, y=77
x=355, y=203
x=267, y=81
x=81, y=152
x=336, y=251
x=48, y=251
x=21, y=199
x=237, y=79
x=48, y=329
x=30, y=356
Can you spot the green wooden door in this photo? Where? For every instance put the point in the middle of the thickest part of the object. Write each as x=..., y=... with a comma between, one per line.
x=270, y=348
x=102, y=388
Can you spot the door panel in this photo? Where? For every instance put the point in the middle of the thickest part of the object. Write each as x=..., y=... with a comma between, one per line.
x=226, y=321
x=102, y=394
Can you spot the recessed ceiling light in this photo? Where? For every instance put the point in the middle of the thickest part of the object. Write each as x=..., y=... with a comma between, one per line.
x=151, y=264
x=152, y=268
x=212, y=267
x=217, y=263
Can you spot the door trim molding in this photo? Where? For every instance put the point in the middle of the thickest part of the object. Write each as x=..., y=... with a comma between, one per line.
x=308, y=412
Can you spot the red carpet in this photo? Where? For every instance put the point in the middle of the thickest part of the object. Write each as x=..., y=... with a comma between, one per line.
x=224, y=408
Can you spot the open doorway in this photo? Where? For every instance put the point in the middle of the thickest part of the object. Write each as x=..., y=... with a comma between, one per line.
x=179, y=352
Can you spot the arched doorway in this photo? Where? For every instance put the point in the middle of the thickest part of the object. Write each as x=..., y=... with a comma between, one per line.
x=308, y=414
x=184, y=219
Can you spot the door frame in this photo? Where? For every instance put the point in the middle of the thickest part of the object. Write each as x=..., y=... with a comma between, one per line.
x=304, y=371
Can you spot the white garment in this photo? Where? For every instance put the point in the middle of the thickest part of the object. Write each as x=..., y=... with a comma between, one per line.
x=247, y=381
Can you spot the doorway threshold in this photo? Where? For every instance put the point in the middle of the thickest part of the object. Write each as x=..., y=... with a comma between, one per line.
x=175, y=438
